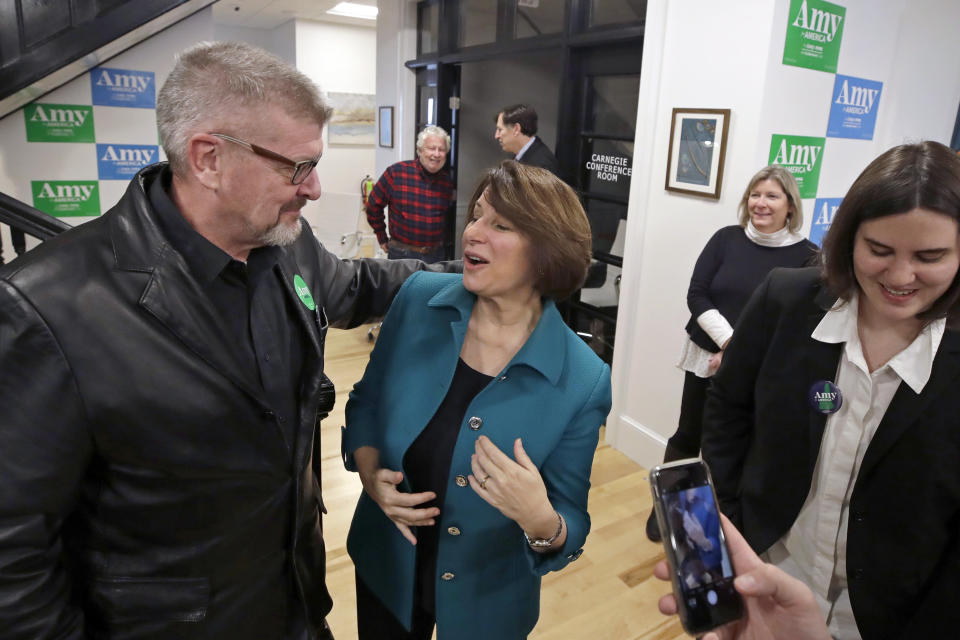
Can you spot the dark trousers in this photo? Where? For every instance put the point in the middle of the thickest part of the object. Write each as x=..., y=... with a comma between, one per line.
x=685, y=443
x=375, y=622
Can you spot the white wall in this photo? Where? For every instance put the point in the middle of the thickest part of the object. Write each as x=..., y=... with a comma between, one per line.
x=924, y=76
x=665, y=232
x=729, y=55
x=396, y=85
x=340, y=58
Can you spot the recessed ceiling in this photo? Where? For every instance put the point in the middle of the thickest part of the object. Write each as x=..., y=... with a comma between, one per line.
x=267, y=14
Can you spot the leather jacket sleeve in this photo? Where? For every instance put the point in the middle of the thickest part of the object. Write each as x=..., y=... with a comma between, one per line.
x=353, y=292
x=45, y=451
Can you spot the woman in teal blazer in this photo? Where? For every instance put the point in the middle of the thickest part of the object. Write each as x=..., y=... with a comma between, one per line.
x=475, y=424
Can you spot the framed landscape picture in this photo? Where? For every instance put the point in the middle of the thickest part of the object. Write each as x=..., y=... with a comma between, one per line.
x=353, y=119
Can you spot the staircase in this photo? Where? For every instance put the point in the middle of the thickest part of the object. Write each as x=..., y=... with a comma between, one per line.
x=46, y=43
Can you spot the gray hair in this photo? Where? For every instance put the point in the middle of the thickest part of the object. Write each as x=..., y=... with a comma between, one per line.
x=212, y=78
x=432, y=130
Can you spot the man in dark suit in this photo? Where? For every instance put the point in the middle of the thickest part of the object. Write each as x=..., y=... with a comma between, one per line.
x=517, y=134
x=161, y=375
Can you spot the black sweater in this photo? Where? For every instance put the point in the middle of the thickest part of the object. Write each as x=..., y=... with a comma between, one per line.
x=729, y=268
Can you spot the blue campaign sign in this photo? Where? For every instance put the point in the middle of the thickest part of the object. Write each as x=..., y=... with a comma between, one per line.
x=853, y=108
x=823, y=211
x=123, y=88
x=123, y=161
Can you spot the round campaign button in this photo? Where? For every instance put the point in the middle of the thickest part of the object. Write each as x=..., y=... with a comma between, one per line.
x=825, y=397
x=303, y=292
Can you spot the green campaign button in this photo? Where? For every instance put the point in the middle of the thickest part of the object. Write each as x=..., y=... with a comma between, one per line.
x=303, y=292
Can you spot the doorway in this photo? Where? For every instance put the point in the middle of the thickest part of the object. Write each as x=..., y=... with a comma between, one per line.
x=486, y=86
x=577, y=62
x=604, y=88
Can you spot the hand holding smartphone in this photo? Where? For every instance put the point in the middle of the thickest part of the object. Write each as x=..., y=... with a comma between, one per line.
x=696, y=549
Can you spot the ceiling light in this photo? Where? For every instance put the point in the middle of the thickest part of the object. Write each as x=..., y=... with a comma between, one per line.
x=354, y=10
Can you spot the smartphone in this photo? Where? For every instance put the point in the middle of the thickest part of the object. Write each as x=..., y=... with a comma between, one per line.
x=689, y=518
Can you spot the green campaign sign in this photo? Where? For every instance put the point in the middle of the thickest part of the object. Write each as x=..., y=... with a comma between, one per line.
x=59, y=122
x=814, y=30
x=64, y=198
x=801, y=156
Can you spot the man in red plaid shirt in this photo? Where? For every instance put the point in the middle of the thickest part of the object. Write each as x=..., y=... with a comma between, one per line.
x=419, y=193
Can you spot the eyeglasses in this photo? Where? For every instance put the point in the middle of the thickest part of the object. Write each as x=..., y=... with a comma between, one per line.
x=301, y=169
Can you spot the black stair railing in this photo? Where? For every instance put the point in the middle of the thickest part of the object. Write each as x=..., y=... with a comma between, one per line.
x=33, y=222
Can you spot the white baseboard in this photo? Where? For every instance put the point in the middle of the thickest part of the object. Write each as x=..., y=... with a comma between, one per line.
x=639, y=443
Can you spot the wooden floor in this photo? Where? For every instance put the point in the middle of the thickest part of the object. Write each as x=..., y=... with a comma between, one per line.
x=608, y=594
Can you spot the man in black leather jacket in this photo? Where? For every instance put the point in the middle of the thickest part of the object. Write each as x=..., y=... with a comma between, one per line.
x=161, y=371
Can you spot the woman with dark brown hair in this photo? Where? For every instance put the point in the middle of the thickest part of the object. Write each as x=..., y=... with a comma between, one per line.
x=474, y=426
x=832, y=427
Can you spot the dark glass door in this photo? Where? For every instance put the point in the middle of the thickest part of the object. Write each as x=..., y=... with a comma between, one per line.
x=438, y=91
x=605, y=87
x=592, y=79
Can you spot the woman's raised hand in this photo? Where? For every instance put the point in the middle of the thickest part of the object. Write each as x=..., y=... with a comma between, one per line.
x=514, y=487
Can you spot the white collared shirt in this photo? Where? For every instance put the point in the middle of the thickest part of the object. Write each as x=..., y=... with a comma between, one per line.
x=524, y=149
x=815, y=548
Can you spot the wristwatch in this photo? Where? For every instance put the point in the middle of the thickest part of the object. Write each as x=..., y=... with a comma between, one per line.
x=543, y=543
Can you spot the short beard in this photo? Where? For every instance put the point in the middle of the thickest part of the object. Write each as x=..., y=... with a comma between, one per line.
x=281, y=234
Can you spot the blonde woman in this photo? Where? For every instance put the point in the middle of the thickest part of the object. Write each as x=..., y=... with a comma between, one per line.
x=734, y=262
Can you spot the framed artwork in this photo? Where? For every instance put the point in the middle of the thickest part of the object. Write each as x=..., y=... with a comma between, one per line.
x=385, y=133
x=698, y=144
x=352, y=121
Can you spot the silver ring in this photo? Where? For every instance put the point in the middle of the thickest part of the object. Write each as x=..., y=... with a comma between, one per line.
x=483, y=483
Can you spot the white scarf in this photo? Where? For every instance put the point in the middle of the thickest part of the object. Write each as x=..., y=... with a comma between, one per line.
x=780, y=238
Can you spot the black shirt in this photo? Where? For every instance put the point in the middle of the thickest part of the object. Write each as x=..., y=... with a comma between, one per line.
x=427, y=467
x=728, y=270
x=255, y=311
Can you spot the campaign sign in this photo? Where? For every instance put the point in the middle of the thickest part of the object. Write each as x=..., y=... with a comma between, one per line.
x=823, y=211
x=58, y=122
x=801, y=156
x=63, y=198
x=814, y=31
x=853, y=109
x=123, y=88
x=123, y=161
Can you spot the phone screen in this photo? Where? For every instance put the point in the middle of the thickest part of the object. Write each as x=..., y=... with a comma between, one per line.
x=696, y=548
